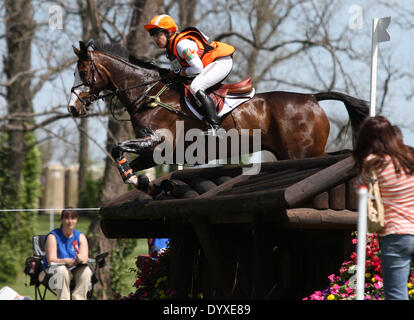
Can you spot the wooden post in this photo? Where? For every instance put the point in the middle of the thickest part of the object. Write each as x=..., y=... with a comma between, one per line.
x=337, y=197
x=327, y=178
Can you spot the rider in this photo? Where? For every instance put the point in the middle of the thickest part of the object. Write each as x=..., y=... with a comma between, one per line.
x=193, y=55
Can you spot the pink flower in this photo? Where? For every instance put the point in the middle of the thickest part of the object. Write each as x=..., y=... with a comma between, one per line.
x=377, y=278
x=335, y=289
x=332, y=277
x=354, y=241
x=378, y=285
x=349, y=290
x=317, y=295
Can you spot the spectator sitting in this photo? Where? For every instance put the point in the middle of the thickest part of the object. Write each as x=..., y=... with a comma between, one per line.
x=67, y=258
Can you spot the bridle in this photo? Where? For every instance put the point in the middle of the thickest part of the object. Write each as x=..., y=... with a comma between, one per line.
x=93, y=96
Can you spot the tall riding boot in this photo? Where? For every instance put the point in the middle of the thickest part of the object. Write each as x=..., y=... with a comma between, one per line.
x=209, y=109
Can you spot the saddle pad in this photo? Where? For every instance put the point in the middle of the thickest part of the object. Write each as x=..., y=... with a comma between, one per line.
x=231, y=102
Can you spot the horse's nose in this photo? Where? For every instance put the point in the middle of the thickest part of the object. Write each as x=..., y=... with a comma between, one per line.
x=72, y=110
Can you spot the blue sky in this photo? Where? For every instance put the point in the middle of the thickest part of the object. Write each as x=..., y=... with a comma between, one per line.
x=398, y=50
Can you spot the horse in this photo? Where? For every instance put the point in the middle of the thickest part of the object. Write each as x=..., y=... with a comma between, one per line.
x=292, y=125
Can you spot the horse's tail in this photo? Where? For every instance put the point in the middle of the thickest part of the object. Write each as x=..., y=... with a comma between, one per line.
x=358, y=109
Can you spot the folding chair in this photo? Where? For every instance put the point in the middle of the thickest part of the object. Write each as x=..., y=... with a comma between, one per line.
x=34, y=266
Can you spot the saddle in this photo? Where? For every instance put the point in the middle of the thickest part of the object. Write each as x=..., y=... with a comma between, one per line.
x=219, y=92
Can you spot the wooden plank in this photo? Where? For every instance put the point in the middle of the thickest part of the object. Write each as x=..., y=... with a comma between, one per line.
x=202, y=185
x=225, y=186
x=180, y=189
x=325, y=179
x=351, y=195
x=321, y=201
x=307, y=218
x=235, y=170
x=273, y=183
x=264, y=176
x=128, y=229
x=221, y=272
x=259, y=202
x=221, y=180
x=322, y=219
x=337, y=197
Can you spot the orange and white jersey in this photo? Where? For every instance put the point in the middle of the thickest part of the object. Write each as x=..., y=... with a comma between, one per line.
x=188, y=51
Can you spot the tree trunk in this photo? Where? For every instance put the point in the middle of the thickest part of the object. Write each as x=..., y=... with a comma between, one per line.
x=83, y=126
x=113, y=186
x=186, y=14
x=138, y=40
x=19, y=33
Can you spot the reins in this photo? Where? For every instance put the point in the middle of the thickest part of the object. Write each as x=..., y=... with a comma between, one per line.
x=153, y=101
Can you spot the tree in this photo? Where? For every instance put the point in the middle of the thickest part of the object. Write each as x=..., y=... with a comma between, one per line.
x=20, y=174
x=19, y=34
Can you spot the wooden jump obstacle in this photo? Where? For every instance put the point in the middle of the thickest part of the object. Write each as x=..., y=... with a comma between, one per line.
x=274, y=235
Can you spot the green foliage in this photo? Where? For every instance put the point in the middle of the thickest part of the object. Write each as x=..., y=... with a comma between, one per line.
x=89, y=196
x=119, y=263
x=16, y=228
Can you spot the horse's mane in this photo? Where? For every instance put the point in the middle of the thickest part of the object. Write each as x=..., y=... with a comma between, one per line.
x=120, y=51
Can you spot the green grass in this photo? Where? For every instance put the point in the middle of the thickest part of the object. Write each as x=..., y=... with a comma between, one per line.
x=42, y=226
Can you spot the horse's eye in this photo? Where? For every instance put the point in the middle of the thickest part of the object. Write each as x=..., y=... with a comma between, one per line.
x=82, y=74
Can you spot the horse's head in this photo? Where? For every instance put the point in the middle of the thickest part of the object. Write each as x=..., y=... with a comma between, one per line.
x=90, y=80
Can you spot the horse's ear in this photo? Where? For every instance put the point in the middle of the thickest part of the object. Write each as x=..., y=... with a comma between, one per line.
x=82, y=46
x=76, y=51
x=91, y=44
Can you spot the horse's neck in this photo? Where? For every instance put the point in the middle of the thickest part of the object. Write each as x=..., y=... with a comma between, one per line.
x=125, y=75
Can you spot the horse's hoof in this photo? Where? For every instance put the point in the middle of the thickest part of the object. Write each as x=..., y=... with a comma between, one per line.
x=132, y=180
x=143, y=183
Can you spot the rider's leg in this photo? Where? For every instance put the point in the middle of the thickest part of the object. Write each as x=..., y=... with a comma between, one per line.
x=212, y=74
x=208, y=109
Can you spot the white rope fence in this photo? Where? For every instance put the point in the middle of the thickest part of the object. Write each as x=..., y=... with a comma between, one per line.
x=51, y=210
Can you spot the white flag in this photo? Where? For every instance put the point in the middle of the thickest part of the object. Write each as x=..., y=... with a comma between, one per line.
x=381, y=32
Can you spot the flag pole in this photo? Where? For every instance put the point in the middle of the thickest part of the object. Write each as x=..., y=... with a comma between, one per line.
x=379, y=34
x=374, y=57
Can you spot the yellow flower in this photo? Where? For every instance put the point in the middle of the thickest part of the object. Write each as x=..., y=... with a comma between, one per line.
x=331, y=297
x=373, y=279
x=409, y=285
x=367, y=275
x=411, y=292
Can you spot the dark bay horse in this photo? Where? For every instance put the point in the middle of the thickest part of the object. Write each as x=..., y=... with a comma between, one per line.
x=292, y=125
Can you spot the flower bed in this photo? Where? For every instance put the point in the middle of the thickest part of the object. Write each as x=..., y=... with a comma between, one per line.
x=152, y=278
x=343, y=285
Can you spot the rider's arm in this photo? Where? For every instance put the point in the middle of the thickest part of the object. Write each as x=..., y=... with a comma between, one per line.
x=187, y=50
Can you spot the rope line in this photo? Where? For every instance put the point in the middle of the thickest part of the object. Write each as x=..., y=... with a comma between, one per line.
x=50, y=209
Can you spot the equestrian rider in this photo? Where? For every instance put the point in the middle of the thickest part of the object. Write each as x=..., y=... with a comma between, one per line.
x=193, y=55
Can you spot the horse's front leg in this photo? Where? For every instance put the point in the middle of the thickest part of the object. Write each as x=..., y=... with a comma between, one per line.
x=138, y=146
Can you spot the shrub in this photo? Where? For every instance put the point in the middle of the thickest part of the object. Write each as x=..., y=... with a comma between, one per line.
x=152, y=278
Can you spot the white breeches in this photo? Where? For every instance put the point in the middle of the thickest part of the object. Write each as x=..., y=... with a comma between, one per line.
x=212, y=74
